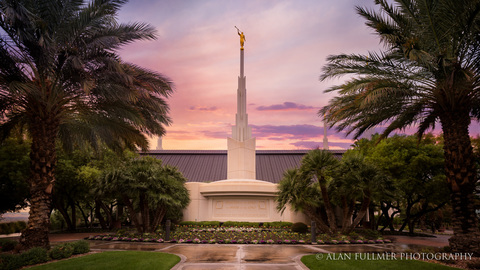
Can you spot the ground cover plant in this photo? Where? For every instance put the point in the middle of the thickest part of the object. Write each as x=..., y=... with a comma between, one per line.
x=116, y=260
x=274, y=234
x=314, y=262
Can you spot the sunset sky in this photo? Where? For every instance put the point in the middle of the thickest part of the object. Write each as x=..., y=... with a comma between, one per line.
x=286, y=45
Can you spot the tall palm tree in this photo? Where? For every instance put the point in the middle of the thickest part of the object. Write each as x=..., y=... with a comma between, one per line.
x=427, y=72
x=61, y=79
x=317, y=164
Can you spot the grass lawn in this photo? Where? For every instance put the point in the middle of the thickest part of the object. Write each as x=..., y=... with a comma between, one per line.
x=313, y=263
x=116, y=260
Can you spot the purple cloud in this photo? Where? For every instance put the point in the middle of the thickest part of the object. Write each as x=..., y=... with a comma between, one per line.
x=285, y=107
x=297, y=131
x=216, y=134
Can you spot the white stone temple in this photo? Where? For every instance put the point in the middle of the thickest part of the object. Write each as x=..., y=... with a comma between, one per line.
x=226, y=185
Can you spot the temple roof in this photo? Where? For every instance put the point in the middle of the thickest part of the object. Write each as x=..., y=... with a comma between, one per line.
x=211, y=165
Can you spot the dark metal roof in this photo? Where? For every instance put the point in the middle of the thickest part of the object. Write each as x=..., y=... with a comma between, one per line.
x=211, y=165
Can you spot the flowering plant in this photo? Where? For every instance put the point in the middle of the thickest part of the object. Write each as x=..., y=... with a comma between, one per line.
x=159, y=240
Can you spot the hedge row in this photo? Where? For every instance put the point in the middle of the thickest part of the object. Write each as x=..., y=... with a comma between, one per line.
x=39, y=255
x=275, y=224
x=12, y=227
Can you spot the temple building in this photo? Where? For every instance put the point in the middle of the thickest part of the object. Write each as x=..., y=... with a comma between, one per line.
x=240, y=183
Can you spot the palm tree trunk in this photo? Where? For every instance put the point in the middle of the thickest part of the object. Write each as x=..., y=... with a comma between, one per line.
x=460, y=170
x=361, y=213
x=328, y=207
x=347, y=214
x=43, y=160
x=311, y=213
x=133, y=215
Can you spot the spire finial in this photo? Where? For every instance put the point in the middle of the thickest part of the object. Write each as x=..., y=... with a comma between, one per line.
x=242, y=38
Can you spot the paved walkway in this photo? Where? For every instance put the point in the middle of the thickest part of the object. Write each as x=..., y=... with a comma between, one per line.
x=252, y=257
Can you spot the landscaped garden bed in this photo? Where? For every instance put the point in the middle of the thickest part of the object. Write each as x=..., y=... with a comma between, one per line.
x=213, y=234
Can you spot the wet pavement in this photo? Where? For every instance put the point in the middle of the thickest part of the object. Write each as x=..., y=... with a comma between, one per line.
x=254, y=257
x=250, y=257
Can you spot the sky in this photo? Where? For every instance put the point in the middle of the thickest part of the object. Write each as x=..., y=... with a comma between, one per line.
x=286, y=45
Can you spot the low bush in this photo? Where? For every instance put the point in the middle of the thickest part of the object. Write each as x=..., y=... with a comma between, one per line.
x=34, y=255
x=80, y=247
x=12, y=227
x=240, y=224
x=277, y=224
x=61, y=251
x=10, y=261
x=299, y=227
x=20, y=225
x=5, y=228
x=16, y=261
x=199, y=223
x=7, y=244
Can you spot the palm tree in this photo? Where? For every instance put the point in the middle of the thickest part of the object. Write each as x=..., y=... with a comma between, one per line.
x=428, y=72
x=62, y=80
x=317, y=164
x=356, y=180
x=301, y=194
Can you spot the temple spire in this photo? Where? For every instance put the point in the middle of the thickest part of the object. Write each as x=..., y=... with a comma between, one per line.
x=241, y=146
x=241, y=131
x=325, y=138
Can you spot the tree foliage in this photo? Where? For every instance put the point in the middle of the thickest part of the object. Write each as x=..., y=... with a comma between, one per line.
x=61, y=78
x=13, y=174
x=147, y=189
x=417, y=173
x=357, y=180
x=428, y=73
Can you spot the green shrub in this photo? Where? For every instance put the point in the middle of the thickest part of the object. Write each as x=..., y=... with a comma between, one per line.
x=34, y=256
x=277, y=224
x=80, y=247
x=299, y=227
x=5, y=228
x=188, y=223
x=10, y=262
x=240, y=224
x=19, y=226
x=61, y=251
x=12, y=227
x=7, y=244
x=209, y=223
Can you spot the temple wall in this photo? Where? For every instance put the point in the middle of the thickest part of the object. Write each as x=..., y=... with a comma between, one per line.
x=236, y=200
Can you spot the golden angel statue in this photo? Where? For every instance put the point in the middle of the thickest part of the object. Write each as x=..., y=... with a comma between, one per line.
x=242, y=38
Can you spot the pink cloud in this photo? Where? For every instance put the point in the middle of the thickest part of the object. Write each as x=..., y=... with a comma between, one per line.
x=207, y=109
